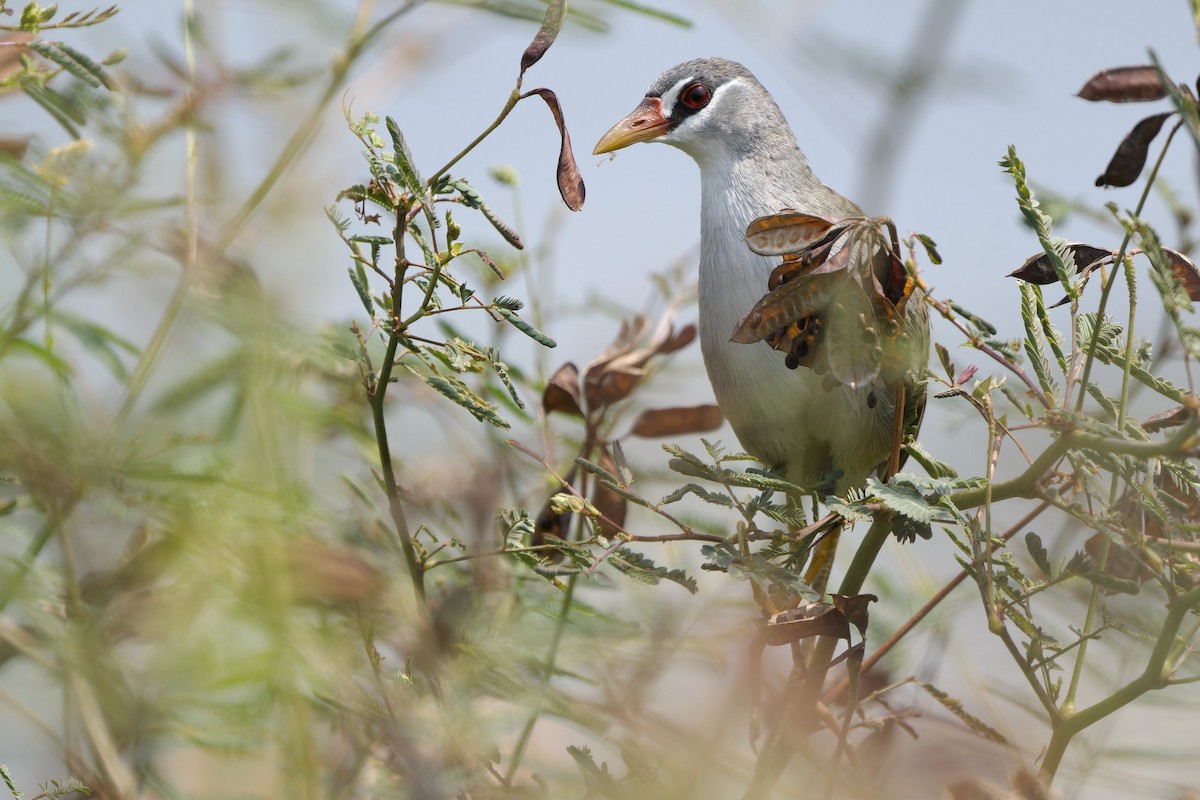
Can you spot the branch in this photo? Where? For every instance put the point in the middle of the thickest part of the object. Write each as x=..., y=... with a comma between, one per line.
x=1025, y=484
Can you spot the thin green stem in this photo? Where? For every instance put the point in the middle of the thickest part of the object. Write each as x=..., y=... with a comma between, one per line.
x=303, y=135
x=149, y=355
x=1156, y=675
x=925, y=610
x=560, y=625
x=1068, y=705
x=509, y=105
x=379, y=394
x=797, y=721
x=1025, y=484
x=49, y=525
x=1090, y=357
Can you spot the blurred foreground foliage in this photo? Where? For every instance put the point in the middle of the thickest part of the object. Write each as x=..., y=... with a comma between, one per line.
x=228, y=552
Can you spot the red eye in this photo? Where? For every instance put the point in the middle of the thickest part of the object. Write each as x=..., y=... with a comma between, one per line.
x=696, y=95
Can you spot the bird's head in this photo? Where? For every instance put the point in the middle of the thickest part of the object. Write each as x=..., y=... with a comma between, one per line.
x=713, y=109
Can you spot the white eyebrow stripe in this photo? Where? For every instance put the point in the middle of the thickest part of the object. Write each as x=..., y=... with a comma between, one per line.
x=670, y=97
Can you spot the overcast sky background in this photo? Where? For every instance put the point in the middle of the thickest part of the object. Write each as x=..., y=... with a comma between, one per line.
x=1008, y=76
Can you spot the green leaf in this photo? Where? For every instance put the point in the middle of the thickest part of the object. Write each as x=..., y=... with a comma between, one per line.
x=525, y=328
x=982, y=325
x=474, y=199
x=638, y=567
x=906, y=501
x=501, y=370
x=7, y=777
x=598, y=471
x=364, y=294
x=944, y=358
x=74, y=62
x=1039, y=221
x=511, y=303
x=1038, y=553
x=1032, y=309
x=65, y=112
x=715, y=498
x=409, y=178
x=42, y=354
x=930, y=246
x=1026, y=626
x=460, y=394
x=596, y=778
x=935, y=468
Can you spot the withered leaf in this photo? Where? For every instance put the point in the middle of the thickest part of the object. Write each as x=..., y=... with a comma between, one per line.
x=855, y=609
x=612, y=506
x=1127, y=162
x=679, y=421
x=814, y=619
x=570, y=182
x=609, y=384
x=1172, y=418
x=792, y=301
x=556, y=11
x=1038, y=269
x=788, y=232
x=1185, y=271
x=562, y=391
x=1121, y=564
x=1124, y=85
x=677, y=340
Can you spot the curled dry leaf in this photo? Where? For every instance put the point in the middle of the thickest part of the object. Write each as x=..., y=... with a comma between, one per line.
x=841, y=314
x=610, y=384
x=790, y=232
x=680, y=421
x=1171, y=418
x=1121, y=563
x=1127, y=162
x=556, y=11
x=1124, y=85
x=1185, y=271
x=813, y=619
x=562, y=391
x=789, y=302
x=616, y=372
x=855, y=609
x=570, y=182
x=1038, y=269
x=677, y=340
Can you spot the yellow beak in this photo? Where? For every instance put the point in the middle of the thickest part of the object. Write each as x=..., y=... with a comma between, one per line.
x=644, y=123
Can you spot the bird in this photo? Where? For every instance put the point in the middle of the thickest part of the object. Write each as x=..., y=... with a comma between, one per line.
x=816, y=431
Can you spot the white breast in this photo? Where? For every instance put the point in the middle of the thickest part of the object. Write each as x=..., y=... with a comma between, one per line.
x=782, y=417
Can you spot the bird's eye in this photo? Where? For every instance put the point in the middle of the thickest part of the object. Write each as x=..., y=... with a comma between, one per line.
x=695, y=95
